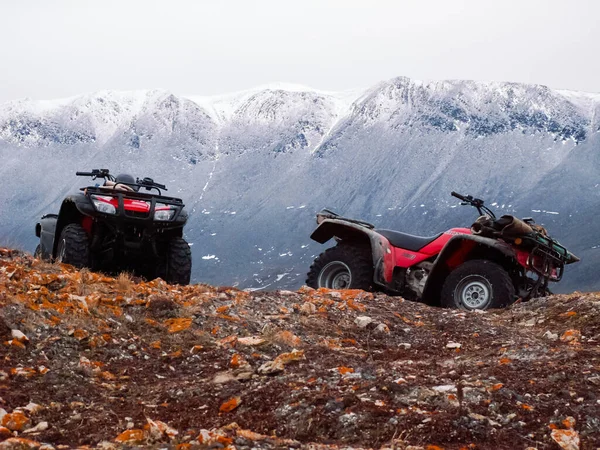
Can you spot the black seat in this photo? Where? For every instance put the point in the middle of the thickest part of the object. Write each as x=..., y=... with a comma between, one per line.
x=407, y=241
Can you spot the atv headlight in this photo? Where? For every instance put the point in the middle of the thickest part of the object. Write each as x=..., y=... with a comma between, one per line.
x=103, y=205
x=163, y=212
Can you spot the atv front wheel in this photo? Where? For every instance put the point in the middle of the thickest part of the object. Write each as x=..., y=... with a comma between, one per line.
x=73, y=246
x=178, y=264
x=342, y=267
x=38, y=252
x=478, y=284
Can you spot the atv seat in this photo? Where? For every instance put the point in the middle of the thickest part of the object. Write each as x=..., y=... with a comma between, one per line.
x=407, y=241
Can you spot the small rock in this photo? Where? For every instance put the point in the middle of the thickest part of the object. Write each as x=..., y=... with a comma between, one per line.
x=271, y=368
x=223, y=377
x=243, y=376
x=453, y=345
x=131, y=437
x=363, y=321
x=550, y=336
x=405, y=345
x=158, y=429
x=42, y=426
x=33, y=408
x=251, y=340
x=19, y=444
x=382, y=328
x=308, y=308
x=567, y=439
x=15, y=421
x=445, y=388
x=19, y=336
x=571, y=336
x=594, y=380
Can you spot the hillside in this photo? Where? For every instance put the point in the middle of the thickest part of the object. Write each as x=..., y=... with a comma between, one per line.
x=116, y=362
x=253, y=167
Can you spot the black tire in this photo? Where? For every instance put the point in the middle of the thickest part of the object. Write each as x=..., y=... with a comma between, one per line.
x=342, y=267
x=38, y=252
x=178, y=264
x=73, y=246
x=478, y=284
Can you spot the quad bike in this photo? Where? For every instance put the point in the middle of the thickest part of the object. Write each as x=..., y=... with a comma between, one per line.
x=114, y=227
x=490, y=265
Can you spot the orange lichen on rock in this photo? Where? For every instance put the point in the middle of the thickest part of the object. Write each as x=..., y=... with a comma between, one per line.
x=26, y=372
x=177, y=325
x=133, y=436
x=571, y=336
x=289, y=338
x=344, y=370
x=17, y=443
x=567, y=439
x=14, y=421
x=230, y=404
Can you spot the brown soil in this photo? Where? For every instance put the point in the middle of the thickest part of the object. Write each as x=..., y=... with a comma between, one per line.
x=114, y=364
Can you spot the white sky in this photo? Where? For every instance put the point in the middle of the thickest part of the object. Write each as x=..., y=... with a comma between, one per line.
x=59, y=48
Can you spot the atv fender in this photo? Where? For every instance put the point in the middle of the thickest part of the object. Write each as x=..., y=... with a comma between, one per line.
x=356, y=234
x=459, y=249
x=45, y=230
x=73, y=209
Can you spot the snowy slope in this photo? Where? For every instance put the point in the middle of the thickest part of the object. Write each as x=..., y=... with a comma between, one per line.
x=254, y=166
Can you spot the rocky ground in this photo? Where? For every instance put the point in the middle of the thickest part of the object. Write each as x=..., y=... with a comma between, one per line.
x=88, y=360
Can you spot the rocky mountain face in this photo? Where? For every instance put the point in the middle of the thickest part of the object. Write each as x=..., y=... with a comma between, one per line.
x=254, y=167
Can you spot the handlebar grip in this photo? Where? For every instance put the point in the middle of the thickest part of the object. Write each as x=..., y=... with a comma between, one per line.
x=84, y=174
x=458, y=196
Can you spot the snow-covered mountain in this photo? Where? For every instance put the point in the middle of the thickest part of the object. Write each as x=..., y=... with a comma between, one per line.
x=253, y=167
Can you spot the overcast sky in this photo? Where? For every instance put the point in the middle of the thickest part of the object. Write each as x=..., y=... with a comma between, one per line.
x=59, y=48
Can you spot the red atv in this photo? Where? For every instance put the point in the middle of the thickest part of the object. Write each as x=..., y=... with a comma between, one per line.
x=489, y=265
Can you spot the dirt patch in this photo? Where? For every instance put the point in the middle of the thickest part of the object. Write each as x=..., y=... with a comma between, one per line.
x=148, y=364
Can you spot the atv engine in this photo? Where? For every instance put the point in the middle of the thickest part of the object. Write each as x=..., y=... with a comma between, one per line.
x=416, y=277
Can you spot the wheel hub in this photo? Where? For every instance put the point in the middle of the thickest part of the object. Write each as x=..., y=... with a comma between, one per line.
x=335, y=275
x=475, y=293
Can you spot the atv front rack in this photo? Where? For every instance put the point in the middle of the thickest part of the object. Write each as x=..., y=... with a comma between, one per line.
x=122, y=214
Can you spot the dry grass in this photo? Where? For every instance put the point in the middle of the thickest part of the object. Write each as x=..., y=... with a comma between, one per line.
x=124, y=283
x=83, y=282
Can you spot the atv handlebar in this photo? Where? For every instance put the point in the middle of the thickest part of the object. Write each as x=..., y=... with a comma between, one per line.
x=97, y=173
x=476, y=202
x=146, y=182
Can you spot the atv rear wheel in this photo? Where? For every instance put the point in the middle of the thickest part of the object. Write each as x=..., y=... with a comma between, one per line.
x=73, y=246
x=478, y=284
x=178, y=265
x=342, y=267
